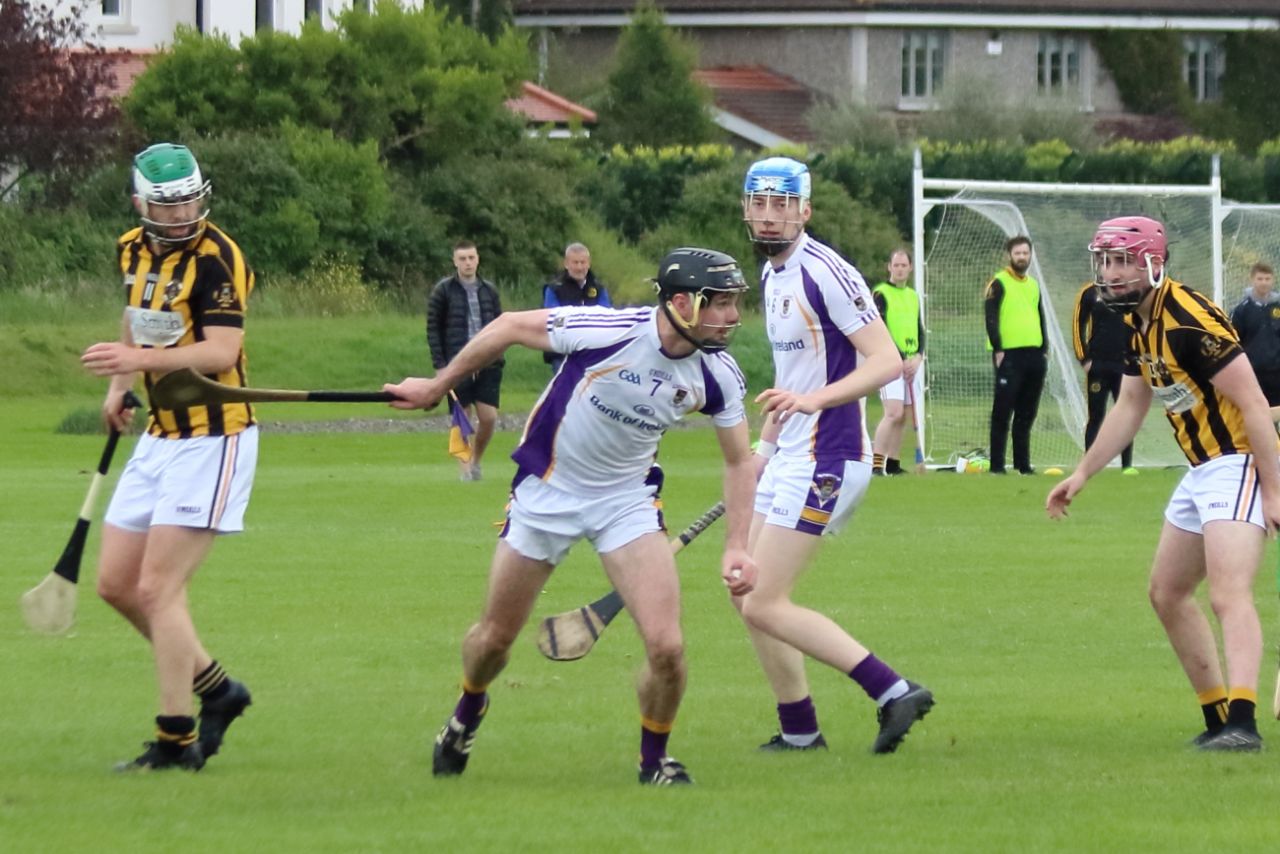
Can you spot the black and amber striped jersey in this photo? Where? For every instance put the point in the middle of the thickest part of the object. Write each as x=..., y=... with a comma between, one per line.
x=172, y=299
x=1098, y=334
x=1187, y=341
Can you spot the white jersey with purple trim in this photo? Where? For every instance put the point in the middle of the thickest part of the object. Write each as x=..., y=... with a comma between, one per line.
x=813, y=303
x=597, y=425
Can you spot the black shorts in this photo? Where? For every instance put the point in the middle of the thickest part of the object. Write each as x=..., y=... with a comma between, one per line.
x=482, y=387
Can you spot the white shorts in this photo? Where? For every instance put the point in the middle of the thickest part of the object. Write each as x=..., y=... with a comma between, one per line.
x=544, y=522
x=813, y=497
x=899, y=390
x=201, y=482
x=1223, y=488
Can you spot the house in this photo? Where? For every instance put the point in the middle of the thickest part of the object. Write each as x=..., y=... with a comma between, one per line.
x=895, y=55
x=134, y=30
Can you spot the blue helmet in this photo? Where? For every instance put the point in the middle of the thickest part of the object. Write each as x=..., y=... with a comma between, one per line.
x=779, y=176
x=770, y=179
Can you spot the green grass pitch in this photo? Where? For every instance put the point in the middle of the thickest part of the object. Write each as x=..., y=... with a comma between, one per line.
x=1061, y=720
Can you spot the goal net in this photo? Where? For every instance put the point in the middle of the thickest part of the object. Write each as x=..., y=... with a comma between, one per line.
x=961, y=228
x=1250, y=233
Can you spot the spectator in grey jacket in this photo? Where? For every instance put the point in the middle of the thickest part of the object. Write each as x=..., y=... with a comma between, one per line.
x=460, y=306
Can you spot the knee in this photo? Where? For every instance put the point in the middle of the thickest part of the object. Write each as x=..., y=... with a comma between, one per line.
x=1165, y=598
x=1227, y=603
x=757, y=613
x=666, y=656
x=121, y=596
x=486, y=418
x=494, y=637
x=894, y=419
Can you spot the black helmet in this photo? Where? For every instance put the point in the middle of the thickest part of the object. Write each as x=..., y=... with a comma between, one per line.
x=702, y=272
x=693, y=270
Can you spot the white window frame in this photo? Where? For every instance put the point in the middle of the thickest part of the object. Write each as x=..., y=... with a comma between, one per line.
x=1062, y=49
x=119, y=22
x=1204, y=60
x=935, y=45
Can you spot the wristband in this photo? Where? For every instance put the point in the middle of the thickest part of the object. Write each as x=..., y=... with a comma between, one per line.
x=766, y=449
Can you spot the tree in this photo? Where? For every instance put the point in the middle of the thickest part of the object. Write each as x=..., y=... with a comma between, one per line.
x=53, y=83
x=419, y=83
x=651, y=97
x=485, y=16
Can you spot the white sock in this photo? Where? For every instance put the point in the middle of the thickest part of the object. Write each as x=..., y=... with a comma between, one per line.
x=800, y=740
x=896, y=690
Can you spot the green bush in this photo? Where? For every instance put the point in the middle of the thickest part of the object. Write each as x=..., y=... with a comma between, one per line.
x=636, y=189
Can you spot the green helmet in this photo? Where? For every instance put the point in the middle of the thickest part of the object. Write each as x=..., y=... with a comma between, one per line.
x=166, y=176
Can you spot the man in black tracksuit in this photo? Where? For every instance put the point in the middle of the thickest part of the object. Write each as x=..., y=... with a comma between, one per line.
x=1257, y=322
x=1016, y=336
x=1101, y=338
x=458, y=307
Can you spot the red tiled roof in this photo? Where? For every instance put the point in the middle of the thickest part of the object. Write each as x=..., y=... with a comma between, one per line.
x=540, y=106
x=763, y=97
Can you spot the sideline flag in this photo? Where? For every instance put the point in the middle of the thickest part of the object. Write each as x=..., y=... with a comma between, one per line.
x=460, y=431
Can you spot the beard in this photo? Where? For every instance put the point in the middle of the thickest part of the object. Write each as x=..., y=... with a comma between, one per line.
x=1020, y=267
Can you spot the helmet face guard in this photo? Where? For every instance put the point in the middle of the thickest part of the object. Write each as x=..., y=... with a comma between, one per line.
x=1128, y=239
x=702, y=273
x=780, y=177
x=173, y=197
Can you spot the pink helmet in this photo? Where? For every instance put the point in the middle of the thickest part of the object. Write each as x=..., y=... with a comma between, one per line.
x=1138, y=236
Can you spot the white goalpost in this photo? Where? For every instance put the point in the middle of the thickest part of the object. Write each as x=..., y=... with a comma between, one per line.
x=959, y=232
x=1250, y=234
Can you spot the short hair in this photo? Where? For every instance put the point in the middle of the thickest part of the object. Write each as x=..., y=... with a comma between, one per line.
x=464, y=244
x=901, y=250
x=1017, y=240
x=1261, y=267
x=576, y=247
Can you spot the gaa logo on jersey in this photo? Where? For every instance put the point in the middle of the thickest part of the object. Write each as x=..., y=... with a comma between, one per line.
x=859, y=303
x=171, y=292
x=826, y=487
x=680, y=395
x=1211, y=346
x=226, y=296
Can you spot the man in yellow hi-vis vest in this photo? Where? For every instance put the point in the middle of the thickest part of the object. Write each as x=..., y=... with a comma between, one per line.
x=1016, y=336
x=900, y=308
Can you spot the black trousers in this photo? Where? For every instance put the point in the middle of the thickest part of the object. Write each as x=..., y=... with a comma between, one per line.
x=1019, y=381
x=1102, y=383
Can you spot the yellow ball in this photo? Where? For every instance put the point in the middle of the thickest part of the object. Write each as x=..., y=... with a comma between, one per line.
x=1053, y=472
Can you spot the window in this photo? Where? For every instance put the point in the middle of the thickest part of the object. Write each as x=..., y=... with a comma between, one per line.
x=1203, y=61
x=1058, y=64
x=922, y=64
x=311, y=9
x=263, y=17
x=111, y=8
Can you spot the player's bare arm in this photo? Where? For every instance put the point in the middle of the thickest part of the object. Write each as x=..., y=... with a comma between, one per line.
x=880, y=363
x=737, y=568
x=1119, y=427
x=217, y=352
x=527, y=328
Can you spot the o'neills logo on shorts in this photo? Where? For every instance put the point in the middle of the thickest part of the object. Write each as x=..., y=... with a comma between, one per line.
x=189, y=508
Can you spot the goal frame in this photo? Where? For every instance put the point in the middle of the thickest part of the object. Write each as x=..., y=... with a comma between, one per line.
x=923, y=202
